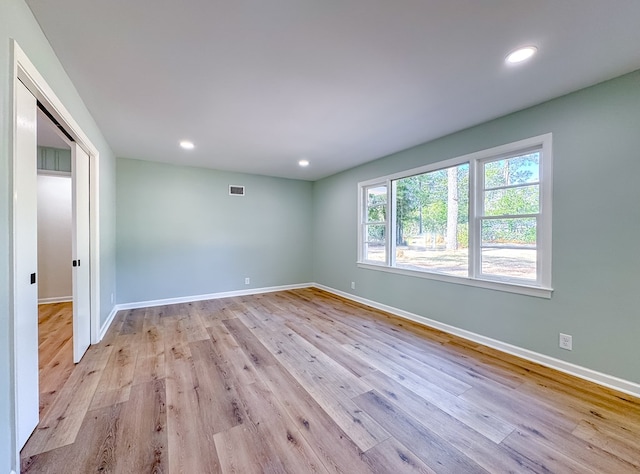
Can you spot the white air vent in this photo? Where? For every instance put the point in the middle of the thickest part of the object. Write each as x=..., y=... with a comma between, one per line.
x=236, y=190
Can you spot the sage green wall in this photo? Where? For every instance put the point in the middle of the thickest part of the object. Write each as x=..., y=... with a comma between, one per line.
x=179, y=233
x=54, y=159
x=16, y=21
x=596, y=224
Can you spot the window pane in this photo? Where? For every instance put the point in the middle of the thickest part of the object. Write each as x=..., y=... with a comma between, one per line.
x=514, y=263
x=375, y=233
x=513, y=201
x=518, y=231
x=377, y=195
x=377, y=204
x=377, y=214
x=374, y=246
x=517, y=170
x=438, y=261
x=432, y=221
x=375, y=253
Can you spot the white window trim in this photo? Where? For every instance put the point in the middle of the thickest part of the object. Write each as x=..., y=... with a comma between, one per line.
x=542, y=288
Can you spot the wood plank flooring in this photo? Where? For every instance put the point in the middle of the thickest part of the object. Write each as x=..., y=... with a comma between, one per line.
x=303, y=381
x=55, y=350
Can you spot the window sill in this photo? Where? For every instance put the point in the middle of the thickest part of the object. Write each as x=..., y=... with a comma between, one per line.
x=535, y=291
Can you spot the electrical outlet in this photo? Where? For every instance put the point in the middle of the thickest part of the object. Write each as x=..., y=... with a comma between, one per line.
x=247, y=281
x=353, y=285
x=566, y=342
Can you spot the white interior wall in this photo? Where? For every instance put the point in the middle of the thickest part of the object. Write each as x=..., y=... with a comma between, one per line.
x=54, y=238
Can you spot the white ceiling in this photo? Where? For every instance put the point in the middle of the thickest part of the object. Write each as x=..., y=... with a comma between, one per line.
x=258, y=85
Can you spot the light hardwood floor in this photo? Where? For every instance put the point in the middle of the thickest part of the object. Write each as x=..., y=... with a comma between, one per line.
x=303, y=381
x=55, y=350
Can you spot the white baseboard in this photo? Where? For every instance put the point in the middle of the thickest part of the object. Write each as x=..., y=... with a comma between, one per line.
x=600, y=378
x=210, y=296
x=191, y=299
x=107, y=323
x=56, y=299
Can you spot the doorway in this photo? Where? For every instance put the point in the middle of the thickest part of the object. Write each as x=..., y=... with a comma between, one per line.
x=29, y=89
x=55, y=250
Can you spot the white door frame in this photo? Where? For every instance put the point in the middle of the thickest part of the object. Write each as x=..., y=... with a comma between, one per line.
x=26, y=72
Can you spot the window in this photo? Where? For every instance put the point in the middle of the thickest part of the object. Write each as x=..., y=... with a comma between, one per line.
x=482, y=219
x=432, y=221
x=508, y=219
x=375, y=225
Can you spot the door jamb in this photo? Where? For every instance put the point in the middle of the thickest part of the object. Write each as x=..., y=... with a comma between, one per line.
x=25, y=71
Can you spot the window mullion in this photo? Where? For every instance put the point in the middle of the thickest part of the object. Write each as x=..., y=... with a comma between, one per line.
x=361, y=225
x=475, y=200
x=539, y=275
x=391, y=223
x=514, y=186
x=498, y=217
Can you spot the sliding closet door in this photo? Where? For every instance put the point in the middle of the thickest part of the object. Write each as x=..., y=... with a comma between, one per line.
x=25, y=264
x=81, y=273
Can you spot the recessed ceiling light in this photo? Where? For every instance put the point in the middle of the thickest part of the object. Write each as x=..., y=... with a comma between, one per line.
x=521, y=54
x=187, y=145
x=303, y=163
